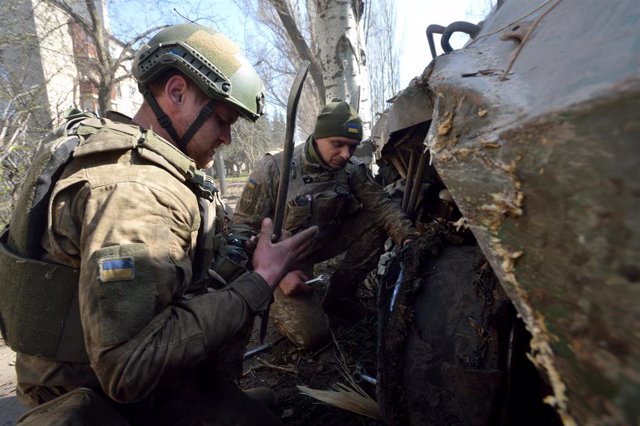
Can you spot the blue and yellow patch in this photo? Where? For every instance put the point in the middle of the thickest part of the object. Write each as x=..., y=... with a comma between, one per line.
x=353, y=128
x=119, y=269
x=251, y=183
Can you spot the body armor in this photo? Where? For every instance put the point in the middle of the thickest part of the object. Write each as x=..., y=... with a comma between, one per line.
x=316, y=198
x=39, y=312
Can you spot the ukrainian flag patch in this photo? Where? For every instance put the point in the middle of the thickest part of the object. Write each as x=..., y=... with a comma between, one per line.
x=251, y=183
x=353, y=128
x=117, y=269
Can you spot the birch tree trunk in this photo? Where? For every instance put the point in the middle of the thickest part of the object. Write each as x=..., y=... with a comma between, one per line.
x=221, y=173
x=342, y=52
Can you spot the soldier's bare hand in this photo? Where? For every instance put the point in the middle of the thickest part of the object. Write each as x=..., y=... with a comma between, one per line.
x=253, y=242
x=293, y=284
x=273, y=260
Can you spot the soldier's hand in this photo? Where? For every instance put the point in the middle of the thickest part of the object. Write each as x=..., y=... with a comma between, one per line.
x=293, y=284
x=273, y=260
x=251, y=244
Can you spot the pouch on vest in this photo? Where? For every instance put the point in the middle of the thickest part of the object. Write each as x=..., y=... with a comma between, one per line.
x=39, y=299
x=328, y=206
x=298, y=213
x=39, y=311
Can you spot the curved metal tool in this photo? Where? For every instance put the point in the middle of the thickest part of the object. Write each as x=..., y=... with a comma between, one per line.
x=283, y=187
x=292, y=109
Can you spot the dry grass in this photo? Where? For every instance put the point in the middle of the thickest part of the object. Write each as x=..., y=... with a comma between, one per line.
x=347, y=396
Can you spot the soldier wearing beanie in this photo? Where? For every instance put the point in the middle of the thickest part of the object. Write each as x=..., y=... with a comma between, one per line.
x=331, y=189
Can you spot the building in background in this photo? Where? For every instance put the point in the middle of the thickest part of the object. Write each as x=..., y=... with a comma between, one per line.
x=50, y=59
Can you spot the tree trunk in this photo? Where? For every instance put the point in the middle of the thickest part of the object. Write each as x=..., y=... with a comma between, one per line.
x=342, y=52
x=221, y=173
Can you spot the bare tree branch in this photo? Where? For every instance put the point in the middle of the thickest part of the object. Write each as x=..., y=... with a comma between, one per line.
x=304, y=52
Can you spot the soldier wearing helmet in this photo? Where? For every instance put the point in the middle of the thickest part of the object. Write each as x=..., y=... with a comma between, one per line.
x=134, y=329
x=330, y=189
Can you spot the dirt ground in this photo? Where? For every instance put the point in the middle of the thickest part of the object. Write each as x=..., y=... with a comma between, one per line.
x=282, y=366
x=10, y=409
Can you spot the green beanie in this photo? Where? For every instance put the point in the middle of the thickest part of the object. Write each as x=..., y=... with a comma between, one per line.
x=337, y=118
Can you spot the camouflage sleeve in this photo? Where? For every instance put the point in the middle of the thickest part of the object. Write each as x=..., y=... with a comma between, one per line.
x=385, y=212
x=134, y=233
x=258, y=197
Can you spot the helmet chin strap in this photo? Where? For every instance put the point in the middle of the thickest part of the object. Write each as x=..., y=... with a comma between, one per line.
x=165, y=121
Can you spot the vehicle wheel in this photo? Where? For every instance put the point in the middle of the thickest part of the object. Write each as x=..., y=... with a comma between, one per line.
x=443, y=341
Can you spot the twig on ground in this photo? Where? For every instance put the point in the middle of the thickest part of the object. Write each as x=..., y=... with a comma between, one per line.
x=322, y=349
x=264, y=363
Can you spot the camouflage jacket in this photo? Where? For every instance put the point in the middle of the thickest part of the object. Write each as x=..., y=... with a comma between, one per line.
x=318, y=195
x=128, y=221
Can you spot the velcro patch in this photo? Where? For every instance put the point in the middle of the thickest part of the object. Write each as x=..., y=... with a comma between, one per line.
x=251, y=183
x=353, y=128
x=117, y=269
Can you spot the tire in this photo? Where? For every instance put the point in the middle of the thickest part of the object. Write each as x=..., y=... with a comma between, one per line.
x=443, y=345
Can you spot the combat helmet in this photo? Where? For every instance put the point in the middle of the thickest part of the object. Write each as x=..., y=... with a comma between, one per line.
x=212, y=61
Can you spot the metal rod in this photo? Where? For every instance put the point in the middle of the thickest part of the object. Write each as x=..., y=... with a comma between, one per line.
x=360, y=376
x=261, y=348
x=399, y=166
x=365, y=378
x=409, y=180
x=417, y=186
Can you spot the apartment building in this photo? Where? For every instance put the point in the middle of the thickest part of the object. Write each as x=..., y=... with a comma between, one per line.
x=48, y=54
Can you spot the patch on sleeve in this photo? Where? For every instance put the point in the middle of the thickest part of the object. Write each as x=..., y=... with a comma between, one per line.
x=117, y=269
x=248, y=196
x=124, y=284
x=251, y=183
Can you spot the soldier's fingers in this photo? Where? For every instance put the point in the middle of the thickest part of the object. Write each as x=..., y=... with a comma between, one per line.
x=302, y=239
x=301, y=243
x=266, y=228
x=251, y=244
x=284, y=234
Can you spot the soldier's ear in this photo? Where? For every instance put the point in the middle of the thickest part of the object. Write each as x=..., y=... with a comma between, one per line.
x=175, y=89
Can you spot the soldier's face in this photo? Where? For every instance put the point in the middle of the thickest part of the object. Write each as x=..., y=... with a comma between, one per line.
x=335, y=151
x=215, y=131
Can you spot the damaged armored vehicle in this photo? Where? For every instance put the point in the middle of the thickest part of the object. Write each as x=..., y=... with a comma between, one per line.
x=517, y=156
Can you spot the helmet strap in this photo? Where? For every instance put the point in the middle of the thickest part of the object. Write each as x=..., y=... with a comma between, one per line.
x=162, y=118
x=205, y=113
x=166, y=124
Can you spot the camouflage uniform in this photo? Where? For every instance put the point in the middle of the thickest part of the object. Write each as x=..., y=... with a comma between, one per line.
x=162, y=349
x=353, y=214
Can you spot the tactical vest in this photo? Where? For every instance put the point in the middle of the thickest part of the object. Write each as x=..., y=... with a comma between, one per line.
x=322, y=198
x=39, y=308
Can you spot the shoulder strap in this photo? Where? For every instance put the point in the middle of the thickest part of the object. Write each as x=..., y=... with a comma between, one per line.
x=28, y=219
x=343, y=175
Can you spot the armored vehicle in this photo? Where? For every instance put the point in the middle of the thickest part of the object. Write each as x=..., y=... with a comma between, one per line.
x=518, y=157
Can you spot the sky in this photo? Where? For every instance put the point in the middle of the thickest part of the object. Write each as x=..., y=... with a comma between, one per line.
x=412, y=19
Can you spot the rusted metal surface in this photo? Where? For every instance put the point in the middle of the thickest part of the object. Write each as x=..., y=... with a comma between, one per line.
x=543, y=163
